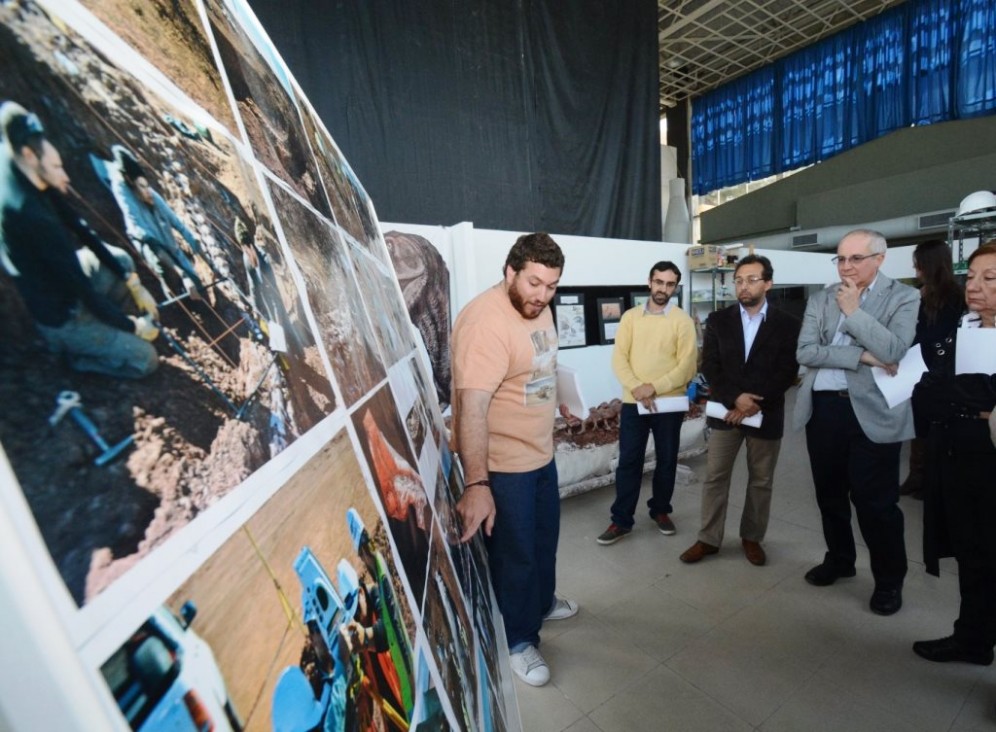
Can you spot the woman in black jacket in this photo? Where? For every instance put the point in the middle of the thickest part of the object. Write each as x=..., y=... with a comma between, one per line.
x=941, y=304
x=952, y=410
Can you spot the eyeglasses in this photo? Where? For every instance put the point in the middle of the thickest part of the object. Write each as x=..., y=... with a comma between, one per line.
x=854, y=259
x=741, y=281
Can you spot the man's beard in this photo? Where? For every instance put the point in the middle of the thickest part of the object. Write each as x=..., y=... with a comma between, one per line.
x=519, y=303
x=749, y=301
x=660, y=298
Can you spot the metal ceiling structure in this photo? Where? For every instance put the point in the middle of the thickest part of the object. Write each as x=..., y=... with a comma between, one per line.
x=705, y=43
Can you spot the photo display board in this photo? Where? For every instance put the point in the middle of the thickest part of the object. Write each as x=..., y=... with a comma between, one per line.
x=589, y=316
x=258, y=530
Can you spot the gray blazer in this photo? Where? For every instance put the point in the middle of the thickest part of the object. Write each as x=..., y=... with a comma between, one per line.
x=885, y=325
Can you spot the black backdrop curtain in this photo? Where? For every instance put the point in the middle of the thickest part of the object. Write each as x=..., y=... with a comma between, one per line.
x=535, y=115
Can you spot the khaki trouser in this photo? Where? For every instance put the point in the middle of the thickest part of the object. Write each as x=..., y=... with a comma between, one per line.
x=762, y=456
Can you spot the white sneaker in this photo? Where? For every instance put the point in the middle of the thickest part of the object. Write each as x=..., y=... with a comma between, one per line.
x=562, y=609
x=529, y=666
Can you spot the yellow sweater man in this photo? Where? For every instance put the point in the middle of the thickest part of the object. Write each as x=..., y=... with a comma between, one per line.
x=655, y=348
x=655, y=355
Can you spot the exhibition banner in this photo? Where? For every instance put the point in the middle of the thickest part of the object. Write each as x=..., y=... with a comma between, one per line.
x=226, y=454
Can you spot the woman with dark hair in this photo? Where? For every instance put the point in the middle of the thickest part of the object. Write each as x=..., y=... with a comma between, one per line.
x=952, y=410
x=941, y=304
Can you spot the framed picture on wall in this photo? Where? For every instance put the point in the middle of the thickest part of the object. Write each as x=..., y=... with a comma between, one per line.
x=569, y=314
x=610, y=310
x=639, y=299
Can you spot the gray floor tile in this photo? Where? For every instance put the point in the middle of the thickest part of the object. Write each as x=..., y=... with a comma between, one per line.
x=724, y=645
x=662, y=700
x=591, y=662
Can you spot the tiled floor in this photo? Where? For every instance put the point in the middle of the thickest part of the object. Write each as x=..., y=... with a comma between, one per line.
x=724, y=645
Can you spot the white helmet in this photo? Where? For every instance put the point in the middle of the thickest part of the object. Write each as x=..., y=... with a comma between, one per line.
x=976, y=202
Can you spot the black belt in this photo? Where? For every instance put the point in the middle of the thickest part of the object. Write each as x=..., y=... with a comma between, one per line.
x=834, y=392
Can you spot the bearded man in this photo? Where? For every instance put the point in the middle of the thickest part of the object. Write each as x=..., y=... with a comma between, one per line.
x=504, y=357
x=654, y=356
x=748, y=358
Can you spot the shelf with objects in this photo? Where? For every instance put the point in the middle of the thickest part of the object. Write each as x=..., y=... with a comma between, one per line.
x=719, y=290
x=710, y=277
x=710, y=281
x=975, y=223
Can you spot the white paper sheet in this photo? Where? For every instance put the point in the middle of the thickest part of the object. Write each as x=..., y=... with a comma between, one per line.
x=976, y=351
x=897, y=389
x=569, y=391
x=665, y=404
x=278, y=339
x=718, y=411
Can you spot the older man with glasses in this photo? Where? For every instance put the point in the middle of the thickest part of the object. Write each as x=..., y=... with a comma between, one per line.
x=852, y=435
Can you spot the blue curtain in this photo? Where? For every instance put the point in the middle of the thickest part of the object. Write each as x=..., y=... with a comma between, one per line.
x=923, y=62
x=737, y=143
x=931, y=62
x=976, y=71
x=759, y=123
x=798, y=97
x=834, y=105
x=879, y=77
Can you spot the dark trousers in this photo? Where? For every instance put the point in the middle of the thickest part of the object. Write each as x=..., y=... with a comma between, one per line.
x=848, y=467
x=634, y=430
x=969, y=501
x=522, y=550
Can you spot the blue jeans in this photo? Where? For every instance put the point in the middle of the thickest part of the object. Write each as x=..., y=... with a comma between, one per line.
x=92, y=345
x=634, y=430
x=522, y=550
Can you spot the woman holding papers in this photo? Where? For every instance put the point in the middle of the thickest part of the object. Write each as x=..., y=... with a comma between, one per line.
x=952, y=405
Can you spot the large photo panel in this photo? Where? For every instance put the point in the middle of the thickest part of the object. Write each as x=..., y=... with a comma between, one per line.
x=300, y=614
x=343, y=322
x=114, y=458
x=227, y=452
x=388, y=453
x=262, y=89
x=171, y=35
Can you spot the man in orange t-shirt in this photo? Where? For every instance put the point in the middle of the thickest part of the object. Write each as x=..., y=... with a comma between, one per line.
x=504, y=353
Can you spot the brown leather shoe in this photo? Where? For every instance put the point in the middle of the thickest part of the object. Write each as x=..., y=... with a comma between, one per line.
x=697, y=551
x=754, y=552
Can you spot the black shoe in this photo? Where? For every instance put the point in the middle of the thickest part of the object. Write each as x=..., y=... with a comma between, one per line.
x=826, y=574
x=886, y=601
x=948, y=649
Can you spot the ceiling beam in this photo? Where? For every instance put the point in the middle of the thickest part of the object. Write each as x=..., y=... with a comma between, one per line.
x=685, y=19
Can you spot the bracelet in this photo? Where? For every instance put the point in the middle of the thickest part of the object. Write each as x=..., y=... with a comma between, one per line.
x=485, y=482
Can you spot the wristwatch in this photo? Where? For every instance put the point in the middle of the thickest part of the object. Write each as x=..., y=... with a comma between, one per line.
x=483, y=481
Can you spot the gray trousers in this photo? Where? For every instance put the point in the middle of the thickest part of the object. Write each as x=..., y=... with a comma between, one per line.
x=762, y=456
x=89, y=343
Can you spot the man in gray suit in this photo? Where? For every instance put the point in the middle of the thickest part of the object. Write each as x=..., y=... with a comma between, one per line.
x=853, y=437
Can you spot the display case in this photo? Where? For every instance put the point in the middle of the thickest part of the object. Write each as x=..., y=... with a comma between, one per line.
x=977, y=225
x=710, y=289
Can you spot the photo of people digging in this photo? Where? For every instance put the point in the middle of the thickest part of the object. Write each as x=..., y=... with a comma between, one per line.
x=154, y=339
